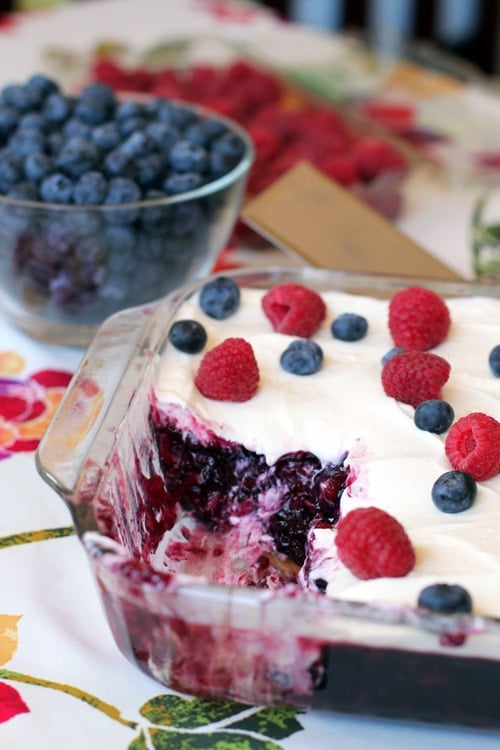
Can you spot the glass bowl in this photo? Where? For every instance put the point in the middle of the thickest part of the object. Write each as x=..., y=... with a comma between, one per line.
x=65, y=268
x=281, y=646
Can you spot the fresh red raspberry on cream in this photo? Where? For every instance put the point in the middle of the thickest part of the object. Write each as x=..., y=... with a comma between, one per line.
x=373, y=544
x=294, y=309
x=473, y=445
x=418, y=318
x=229, y=372
x=413, y=377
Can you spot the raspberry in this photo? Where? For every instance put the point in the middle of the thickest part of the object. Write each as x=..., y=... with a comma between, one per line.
x=418, y=318
x=294, y=309
x=372, y=157
x=228, y=372
x=413, y=377
x=473, y=445
x=373, y=544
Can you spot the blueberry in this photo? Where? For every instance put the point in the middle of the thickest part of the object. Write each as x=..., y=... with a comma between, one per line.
x=198, y=133
x=176, y=115
x=18, y=96
x=8, y=121
x=186, y=217
x=19, y=218
x=434, y=415
x=74, y=127
x=81, y=223
x=494, y=361
x=57, y=188
x=54, y=143
x=188, y=336
x=99, y=93
x=214, y=127
x=139, y=143
x=152, y=106
x=120, y=240
x=23, y=191
x=42, y=85
x=11, y=170
x=163, y=134
x=90, y=189
x=185, y=156
x=119, y=164
x=231, y=145
x=127, y=109
x=106, y=136
x=150, y=170
x=92, y=112
x=76, y=157
x=220, y=298
x=302, y=357
x=175, y=184
x=121, y=191
x=32, y=120
x=220, y=164
x=27, y=141
x=349, y=327
x=446, y=598
x=57, y=108
x=391, y=353
x=38, y=166
x=131, y=125
x=155, y=218
x=289, y=529
x=454, y=491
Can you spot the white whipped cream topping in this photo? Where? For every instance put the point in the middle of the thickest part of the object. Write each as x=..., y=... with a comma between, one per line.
x=343, y=409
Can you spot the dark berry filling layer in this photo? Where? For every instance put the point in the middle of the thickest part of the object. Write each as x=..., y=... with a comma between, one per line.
x=221, y=484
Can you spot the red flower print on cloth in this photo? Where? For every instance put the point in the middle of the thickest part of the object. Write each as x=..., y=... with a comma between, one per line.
x=11, y=703
x=8, y=21
x=26, y=405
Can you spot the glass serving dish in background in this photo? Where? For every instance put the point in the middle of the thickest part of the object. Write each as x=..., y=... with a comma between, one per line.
x=279, y=647
x=65, y=268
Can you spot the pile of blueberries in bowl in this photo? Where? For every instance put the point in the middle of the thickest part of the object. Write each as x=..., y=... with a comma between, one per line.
x=107, y=203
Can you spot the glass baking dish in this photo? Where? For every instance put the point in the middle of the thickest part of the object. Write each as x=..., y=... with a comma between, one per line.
x=280, y=647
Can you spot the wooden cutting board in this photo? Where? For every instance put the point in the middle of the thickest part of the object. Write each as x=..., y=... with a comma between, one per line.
x=308, y=215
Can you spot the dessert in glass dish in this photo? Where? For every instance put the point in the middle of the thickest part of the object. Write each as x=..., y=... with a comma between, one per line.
x=287, y=486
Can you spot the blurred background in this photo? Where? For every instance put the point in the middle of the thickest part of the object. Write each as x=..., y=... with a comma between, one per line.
x=467, y=29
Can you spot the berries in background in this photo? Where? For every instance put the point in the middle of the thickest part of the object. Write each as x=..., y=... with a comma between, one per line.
x=294, y=309
x=434, y=416
x=302, y=357
x=349, y=327
x=286, y=127
x=418, y=318
x=413, y=377
x=373, y=544
x=229, y=372
x=454, y=492
x=473, y=445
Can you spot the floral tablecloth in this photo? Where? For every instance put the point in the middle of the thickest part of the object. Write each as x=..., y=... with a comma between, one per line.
x=63, y=682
